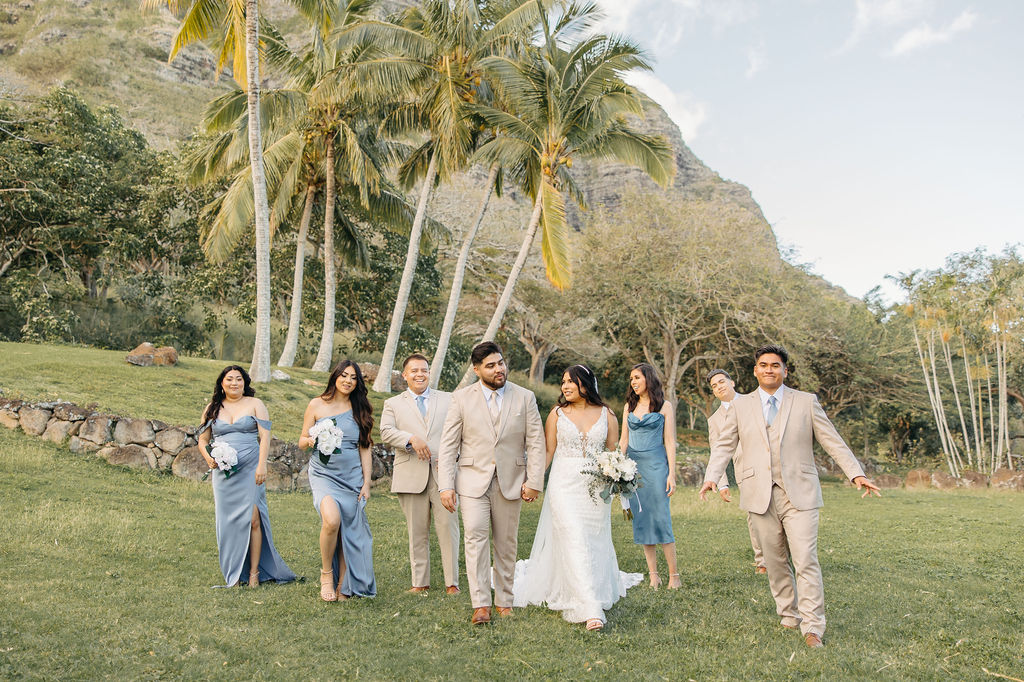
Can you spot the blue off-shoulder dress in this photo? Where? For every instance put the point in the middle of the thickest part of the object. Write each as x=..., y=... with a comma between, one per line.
x=652, y=518
x=341, y=479
x=235, y=496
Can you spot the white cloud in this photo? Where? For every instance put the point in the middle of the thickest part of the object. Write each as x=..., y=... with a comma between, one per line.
x=681, y=107
x=671, y=19
x=924, y=35
x=872, y=14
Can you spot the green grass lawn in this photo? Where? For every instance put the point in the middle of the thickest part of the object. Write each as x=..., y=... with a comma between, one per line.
x=176, y=395
x=107, y=572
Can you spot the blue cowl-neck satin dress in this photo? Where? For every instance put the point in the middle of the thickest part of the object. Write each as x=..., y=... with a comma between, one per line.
x=652, y=518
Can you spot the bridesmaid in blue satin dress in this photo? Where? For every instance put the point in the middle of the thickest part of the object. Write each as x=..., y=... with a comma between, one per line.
x=649, y=439
x=341, y=485
x=244, y=541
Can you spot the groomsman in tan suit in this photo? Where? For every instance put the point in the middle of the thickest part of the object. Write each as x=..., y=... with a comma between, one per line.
x=770, y=435
x=411, y=422
x=724, y=389
x=492, y=455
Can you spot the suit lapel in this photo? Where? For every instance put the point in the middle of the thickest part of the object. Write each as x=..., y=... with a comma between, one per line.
x=411, y=402
x=787, y=406
x=755, y=404
x=506, y=409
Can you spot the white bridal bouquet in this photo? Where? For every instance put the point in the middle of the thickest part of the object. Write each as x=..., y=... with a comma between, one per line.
x=328, y=438
x=613, y=473
x=226, y=458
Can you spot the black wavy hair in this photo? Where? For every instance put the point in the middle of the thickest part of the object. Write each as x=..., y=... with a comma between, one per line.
x=655, y=394
x=362, y=411
x=217, y=401
x=586, y=384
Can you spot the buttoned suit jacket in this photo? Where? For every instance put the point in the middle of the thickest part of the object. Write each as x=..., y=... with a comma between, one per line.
x=472, y=450
x=400, y=420
x=744, y=437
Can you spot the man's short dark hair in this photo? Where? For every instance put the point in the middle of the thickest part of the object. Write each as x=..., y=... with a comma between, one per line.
x=775, y=350
x=414, y=356
x=714, y=373
x=482, y=350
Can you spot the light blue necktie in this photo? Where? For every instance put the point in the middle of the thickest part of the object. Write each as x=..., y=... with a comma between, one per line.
x=773, y=409
x=421, y=402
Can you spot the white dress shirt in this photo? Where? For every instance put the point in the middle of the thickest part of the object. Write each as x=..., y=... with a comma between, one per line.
x=764, y=395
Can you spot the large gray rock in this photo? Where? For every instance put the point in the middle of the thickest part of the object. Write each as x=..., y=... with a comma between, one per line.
x=165, y=355
x=888, y=481
x=918, y=478
x=131, y=456
x=302, y=479
x=138, y=431
x=688, y=473
x=1006, y=479
x=943, y=481
x=70, y=412
x=142, y=355
x=80, y=446
x=371, y=370
x=96, y=429
x=170, y=440
x=288, y=453
x=972, y=479
x=189, y=463
x=279, y=477
x=58, y=430
x=33, y=419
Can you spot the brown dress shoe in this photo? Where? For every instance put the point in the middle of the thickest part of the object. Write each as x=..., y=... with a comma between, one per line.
x=481, y=615
x=813, y=640
x=451, y=589
x=418, y=590
x=761, y=570
x=503, y=611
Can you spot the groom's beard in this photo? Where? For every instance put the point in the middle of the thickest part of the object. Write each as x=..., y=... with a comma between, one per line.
x=495, y=383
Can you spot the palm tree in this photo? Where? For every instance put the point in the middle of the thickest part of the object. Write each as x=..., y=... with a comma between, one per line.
x=435, y=49
x=237, y=23
x=568, y=101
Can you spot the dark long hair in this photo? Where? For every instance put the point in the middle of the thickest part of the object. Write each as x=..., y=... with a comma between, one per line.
x=217, y=401
x=586, y=384
x=654, y=391
x=362, y=411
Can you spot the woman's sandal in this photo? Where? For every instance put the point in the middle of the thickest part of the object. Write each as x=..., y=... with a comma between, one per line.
x=254, y=578
x=595, y=624
x=678, y=583
x=655, y=581
x=327, y=592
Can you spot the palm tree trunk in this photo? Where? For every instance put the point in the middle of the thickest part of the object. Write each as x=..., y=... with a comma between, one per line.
x=259, y=370
x=382, y=384
x=947, y=354
x=291, y=343
x=970, y=398
x=323, y=356
x=513, y=277
x=457, y=279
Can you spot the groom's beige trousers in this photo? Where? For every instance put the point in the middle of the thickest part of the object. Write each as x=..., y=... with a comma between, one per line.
x=481, y=515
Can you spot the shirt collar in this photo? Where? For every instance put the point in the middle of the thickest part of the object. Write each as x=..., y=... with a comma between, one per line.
x=425, y=394
x=487, y=391
x=727, y=405
x=764, y=395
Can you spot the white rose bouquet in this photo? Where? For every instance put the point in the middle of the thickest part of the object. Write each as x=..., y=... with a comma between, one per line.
x=328, y=438
x=226, y=458
x=612, y=473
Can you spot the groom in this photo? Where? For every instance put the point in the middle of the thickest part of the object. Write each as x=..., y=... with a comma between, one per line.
x=492, y=454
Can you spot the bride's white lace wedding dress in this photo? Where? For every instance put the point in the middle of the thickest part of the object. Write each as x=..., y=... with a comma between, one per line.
x=572, y=567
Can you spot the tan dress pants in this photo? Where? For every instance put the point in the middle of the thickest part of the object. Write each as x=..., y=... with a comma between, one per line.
x=788, y=533
x=482, y=516
x=418, y=509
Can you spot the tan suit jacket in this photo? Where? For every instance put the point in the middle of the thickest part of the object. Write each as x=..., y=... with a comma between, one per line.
x=472, y=450
x=715, y=423
x=399, y=422
x=802, y=421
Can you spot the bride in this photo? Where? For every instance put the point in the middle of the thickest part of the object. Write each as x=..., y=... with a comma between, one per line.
x=572, y=566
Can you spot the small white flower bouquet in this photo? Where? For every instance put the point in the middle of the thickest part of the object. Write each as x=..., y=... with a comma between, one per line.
x=328, y=438
x=612, y=473
x=226, y=458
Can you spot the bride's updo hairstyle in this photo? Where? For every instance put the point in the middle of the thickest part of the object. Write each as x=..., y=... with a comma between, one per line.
x=586, y=383
x=654, y=391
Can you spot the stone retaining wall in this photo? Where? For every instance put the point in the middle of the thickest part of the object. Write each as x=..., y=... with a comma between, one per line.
x=152, y=444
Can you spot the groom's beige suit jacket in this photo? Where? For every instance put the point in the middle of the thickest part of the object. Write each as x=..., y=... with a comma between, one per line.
x=744, y=437
x=472, y=450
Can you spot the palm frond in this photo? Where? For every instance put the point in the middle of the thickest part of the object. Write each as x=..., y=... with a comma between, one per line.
x=555, y=237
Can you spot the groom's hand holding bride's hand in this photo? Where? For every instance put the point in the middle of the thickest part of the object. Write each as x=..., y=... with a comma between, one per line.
x=708, y=485
x=529, y=494
x=448, y=500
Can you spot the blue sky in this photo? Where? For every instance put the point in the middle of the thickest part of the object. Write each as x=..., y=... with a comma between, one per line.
x=878, y=136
